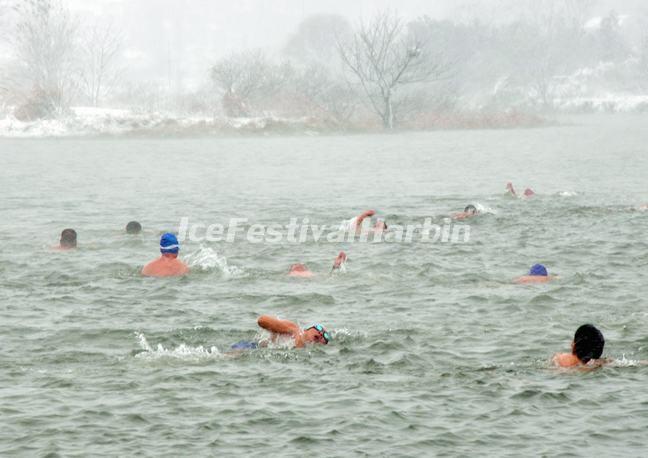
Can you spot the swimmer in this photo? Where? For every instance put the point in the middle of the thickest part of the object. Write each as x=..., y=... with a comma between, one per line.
x=468, y=212
x=586, y=349
x=528, y=192
x=315, y=334
x=356, y=223
x=133, y=227
x=68, y=240
x=537, y=274
x=339, y=261
x=300, y=270
x=168, y=264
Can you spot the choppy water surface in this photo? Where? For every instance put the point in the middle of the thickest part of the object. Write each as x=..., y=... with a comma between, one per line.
x=435, y=350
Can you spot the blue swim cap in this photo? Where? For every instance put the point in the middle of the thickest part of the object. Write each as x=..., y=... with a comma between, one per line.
x=169, y=244
x=538, y=270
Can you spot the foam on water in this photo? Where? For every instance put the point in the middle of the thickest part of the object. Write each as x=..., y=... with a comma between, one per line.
x=181, y=352
x=340, y=270
x=207, y=259
x=481, y=208
x=625, y=362
x=280, y=343
x=347, y=225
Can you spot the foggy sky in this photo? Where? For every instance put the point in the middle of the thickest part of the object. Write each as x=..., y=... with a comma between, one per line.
x=178, y=40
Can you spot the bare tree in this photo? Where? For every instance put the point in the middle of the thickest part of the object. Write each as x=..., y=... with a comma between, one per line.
x=44, y=42
x=384, y=57
x=246, y=78
x=99, y=54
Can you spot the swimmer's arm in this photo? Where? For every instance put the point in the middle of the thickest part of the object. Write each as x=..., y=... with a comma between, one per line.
x=277, y=326
x=339, y=260
x=363, y=216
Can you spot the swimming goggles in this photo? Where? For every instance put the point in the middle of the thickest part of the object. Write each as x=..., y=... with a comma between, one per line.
x=323, y=332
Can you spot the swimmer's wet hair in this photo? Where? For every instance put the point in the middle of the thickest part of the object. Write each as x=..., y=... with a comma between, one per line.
x=133, y=227
x=588, y=343
x=470, y=208
x=69, y=238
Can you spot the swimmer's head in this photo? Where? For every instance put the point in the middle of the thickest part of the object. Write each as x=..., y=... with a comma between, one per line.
x=538, y=270
x=169, y=244
x=133, y=227
x=470, y=209
x=317, y=334
x=298, y=268
x=380, y=225
x=588, y=343
x=68, y=238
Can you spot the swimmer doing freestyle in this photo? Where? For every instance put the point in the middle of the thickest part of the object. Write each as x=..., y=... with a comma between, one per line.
x=278, y=328
x=356, y=223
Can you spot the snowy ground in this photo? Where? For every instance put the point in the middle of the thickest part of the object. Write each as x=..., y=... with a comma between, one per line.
x=608, y=103
x=88, y=121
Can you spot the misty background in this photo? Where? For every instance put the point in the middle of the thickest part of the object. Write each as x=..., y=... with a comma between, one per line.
x=328, y=65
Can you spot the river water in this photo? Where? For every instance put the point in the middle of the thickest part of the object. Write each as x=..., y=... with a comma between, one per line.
x=435, y=350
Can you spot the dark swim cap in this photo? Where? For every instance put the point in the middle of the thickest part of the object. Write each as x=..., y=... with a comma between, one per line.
x=538, y=270
x=169, y=244
x=588, y=343
x=69, y=238
x=133, y=227
x=470, y=208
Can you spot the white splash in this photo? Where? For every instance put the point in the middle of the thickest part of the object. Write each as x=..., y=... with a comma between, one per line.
x=182, y=351
x=485, y=210
x=624, y=362
x=280, y=343
x=344, y=333
x=207, y=259
x=567, y=193
x=348, y=225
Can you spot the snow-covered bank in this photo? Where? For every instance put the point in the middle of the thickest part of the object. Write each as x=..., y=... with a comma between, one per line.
x=90, y=122
x=85, y=121
x=609, y=103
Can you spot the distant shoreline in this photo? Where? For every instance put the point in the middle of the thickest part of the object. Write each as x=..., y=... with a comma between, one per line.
x=90, y=122
x=113, y=123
